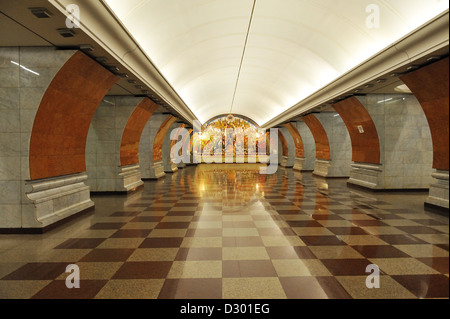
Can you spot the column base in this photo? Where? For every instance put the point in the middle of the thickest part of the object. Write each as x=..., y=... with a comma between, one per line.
x=173, y=169
x=157, y=171
x=284, y=161
x=366, y=175
x=50, y=201
x=439, y=191
x=129, y=179
x=321, y=168
x=298, y=165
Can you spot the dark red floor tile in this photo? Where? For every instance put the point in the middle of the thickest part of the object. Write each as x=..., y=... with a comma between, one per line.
x=247, y=268
x=173, y=225
x=38, y=271
x=304, y=223
x=425, y=286
x=401, y=239
x=438, y=263
x=313, y=288
x=107, y=255
x=322, y=240
x=191, y=289
x=346, y=267
x=147, y=219
x=327, y=217
x=380, y=251
x=58, y=290
x=108, y=225
x=81, y=243
x=143, y=270
x=347, y=230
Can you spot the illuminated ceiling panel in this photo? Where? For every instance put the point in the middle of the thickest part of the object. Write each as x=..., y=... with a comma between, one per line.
x=293, y=48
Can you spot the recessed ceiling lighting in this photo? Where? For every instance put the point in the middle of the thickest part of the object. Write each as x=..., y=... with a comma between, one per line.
x=66, y=33
x=41, y=13
x=101, y=59
x=412, y=67
x=368, y=86
x=86, y=47
x=433, y=58
x=132, y=81
x=379, y=81
x=402, y=89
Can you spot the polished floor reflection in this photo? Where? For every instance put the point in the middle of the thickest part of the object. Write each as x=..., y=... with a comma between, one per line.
x=219, y=231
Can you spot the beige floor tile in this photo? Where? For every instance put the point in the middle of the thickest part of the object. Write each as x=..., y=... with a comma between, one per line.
x=299, y=268
x=237, y=218
x=16, y=289
x=444, y=229
x=271, y=224
x=95, y=270
x=335, y=252
x=96, y=233
x=64, y=255
x=423, y=251
x=167, y=233
x=202, y=242
x=205, y=225
x=244, y=253
x=400, y=222
x=389, y=288
x=383, y=230
x=362, y=240
x=402, y=266
x=240, y=232
x=252, y=288
x=351, y=217
x=279, y=241
x=195, y=269
x=312, y=231
x=154, y=254
x=131, y=289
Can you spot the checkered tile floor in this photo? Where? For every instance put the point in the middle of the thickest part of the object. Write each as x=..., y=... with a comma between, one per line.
x=211, y=233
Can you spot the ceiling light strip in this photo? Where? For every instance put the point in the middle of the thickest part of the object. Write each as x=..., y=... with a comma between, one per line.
x=243, y=55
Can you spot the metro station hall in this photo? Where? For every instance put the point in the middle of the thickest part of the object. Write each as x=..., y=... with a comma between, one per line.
x=224, y=149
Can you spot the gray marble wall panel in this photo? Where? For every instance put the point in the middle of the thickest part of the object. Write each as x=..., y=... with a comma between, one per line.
x=405, y=139
x=146, y=144
x=104, y=140
x=309, y=145
x=340, y=144
x=25, y=74
x=291, y=146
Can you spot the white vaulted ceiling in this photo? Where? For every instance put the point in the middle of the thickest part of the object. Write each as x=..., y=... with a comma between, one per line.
x=293, y=48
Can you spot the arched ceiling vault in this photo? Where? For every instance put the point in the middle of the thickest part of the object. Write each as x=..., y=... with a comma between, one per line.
x=292, y=48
